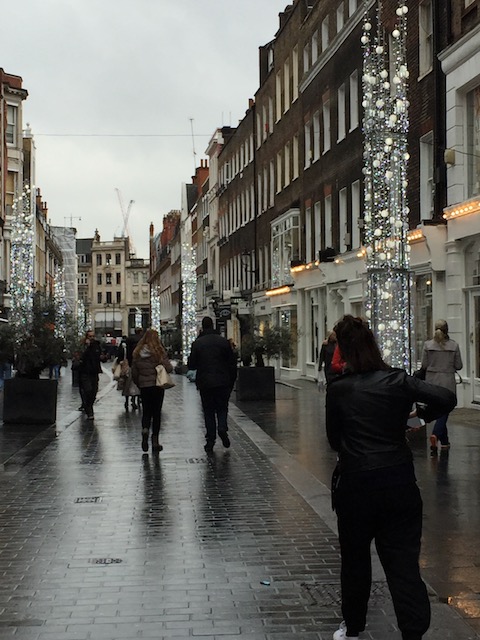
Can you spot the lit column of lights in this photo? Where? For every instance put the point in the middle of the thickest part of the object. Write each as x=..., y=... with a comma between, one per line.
x=22, y=258
x=189, y=298
x=138, y=317
x=155, y=308
x=60, y=302
x=385, y=126
x=81, y=318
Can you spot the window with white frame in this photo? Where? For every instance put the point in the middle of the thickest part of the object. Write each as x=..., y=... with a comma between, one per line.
x=426, y=176
x=316, y=136
x=314, y=47
x=83, y=277
x=278, y=95
x=341, y=115
x=264, y=123
x=325, y=33
x=326, y=125
x=287, y=173
x=328, y=222
x=473, y=137
x=270, y=115
x=317, y=229
x=306, y=58
x=468, y=3
x=295, y=73
x=295, y=158
x=265, y=188
x=340, y=17
x=285, y=246
x=352, y=7
x=308, y=144
x=308, y=235
x=425, y=36
x=356, y=238
x=279, y=171
x=12, y=124
x=286, y=85
x=342, y=220
x=354, y=120
x=272, y=183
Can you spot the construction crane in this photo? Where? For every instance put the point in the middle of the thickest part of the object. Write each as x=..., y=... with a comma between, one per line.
x=126, y=214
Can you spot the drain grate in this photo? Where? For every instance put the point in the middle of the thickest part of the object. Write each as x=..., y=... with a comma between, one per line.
x=196, y=460
x=88, y=500
x=105, y=560
x=328, y=594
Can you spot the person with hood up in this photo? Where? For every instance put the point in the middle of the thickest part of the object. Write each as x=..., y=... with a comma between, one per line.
x=147, y=355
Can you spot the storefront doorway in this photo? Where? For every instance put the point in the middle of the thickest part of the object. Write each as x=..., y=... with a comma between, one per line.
x=474, y=345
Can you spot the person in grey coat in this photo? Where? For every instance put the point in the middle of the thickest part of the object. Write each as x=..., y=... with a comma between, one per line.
x=441, y=359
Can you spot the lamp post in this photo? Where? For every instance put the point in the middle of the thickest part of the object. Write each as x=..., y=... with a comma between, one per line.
x=246, y=259
x=105, y=306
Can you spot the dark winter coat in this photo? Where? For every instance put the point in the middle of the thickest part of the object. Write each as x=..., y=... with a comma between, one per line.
x=144, y=373
x=366, y=416
x=90, y=359
x=214, y=361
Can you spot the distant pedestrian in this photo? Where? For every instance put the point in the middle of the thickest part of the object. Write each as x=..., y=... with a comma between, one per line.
x=149, y=353
x=440, y=360
x=325, y=358
x=374, y=490
x=216, y=365
x=128, y=386
x=88, y=369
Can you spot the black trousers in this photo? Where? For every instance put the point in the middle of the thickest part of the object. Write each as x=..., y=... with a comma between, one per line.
x=88, y=391
x=152, y=401
x=215, y=410
x=392, y=516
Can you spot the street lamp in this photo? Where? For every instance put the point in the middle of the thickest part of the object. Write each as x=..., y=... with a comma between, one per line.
x=246, y=259
x=105, y=306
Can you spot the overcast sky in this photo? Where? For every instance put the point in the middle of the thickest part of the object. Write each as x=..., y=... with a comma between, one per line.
x=139, y=70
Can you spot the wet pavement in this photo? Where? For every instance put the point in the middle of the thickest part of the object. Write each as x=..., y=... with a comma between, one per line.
x=98, y=541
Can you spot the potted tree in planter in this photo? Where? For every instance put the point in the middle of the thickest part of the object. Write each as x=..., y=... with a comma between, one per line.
x=28, y=398
x=258, y=382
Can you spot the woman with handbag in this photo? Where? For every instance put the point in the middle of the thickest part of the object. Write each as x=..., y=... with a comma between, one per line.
x=148, y=354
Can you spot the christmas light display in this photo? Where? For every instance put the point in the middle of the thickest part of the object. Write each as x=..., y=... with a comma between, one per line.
x=60, y=302
x=22, y=259
x=155, y=308
x=385, y=127
x=138, y=317
x=81, y=318
x=189, y=298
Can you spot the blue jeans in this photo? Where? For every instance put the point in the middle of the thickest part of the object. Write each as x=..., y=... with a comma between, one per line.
x=440, y=429
x=5, y=373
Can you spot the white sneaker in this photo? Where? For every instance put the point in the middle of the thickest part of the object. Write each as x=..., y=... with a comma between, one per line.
x=341, y=633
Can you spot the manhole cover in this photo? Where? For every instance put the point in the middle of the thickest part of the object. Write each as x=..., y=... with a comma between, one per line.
x=88, y=500
x=105, y=560
x=327, y=594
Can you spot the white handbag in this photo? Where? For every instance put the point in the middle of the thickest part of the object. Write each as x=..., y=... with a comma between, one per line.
x=164, y=381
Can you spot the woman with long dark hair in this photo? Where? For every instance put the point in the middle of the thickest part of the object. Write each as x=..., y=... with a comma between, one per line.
x=149, y=353
x=375, y=492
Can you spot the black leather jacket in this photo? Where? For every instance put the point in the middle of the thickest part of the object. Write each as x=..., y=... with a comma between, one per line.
x=366, y=416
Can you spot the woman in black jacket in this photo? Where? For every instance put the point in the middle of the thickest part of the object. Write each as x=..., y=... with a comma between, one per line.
x=375, y=492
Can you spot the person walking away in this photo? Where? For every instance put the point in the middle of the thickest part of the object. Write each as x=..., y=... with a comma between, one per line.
x=374, y=490
x=326, y=354
x=89, y=368
x=215, y=363
x=440, y=360
x=147, y=355
x=129, y=388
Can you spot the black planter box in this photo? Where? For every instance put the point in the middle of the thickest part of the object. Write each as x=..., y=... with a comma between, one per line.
x=28, y=401
x=256, y=383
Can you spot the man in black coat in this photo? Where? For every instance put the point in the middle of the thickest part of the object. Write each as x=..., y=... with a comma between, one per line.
x=215, y=363
x=88, y=369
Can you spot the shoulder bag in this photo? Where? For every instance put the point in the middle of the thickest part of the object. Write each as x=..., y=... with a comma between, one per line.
x=164, y=381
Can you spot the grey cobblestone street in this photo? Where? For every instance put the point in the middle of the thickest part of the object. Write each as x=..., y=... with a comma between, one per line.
x=98, y=541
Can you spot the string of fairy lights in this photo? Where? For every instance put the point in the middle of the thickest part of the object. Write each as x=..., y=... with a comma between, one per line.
x=60, y=302
x=385, y=127
x=189, y=297
x=22, y=258
x=155, y=316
